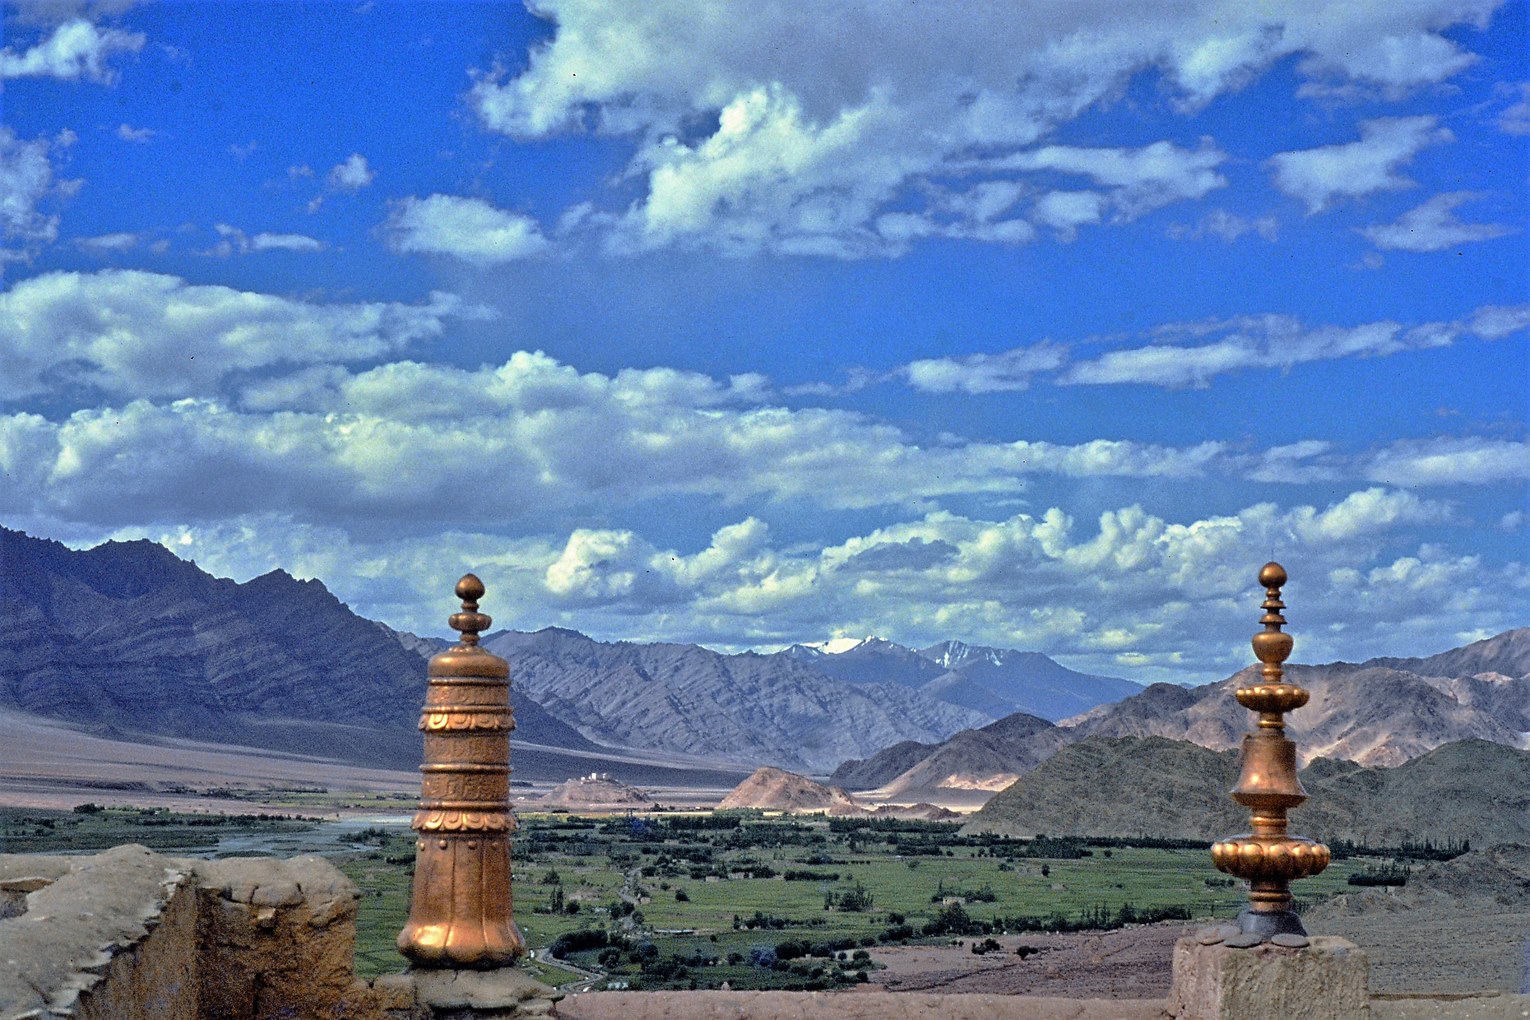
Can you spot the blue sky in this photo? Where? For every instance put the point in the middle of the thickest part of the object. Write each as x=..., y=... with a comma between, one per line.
x=726, y=323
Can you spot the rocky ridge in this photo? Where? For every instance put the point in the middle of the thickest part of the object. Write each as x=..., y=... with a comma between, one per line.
x=594, y=790
x=988, y=758
x=1373, y=713
x=126, y=640
x=1475, y=790
x=1380, y=712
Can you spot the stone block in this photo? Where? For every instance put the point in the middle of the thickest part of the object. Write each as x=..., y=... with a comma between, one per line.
x=1328, y=980
x=394, y=991
x=500, y=989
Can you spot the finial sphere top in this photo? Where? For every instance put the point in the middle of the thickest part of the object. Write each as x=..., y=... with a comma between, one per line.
x=1271, y=575
x=470, y=588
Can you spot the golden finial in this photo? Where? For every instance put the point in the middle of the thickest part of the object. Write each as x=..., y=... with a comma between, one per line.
x=470, y=621
x=1271, y=646
x=1268, y=857
x=461, y=903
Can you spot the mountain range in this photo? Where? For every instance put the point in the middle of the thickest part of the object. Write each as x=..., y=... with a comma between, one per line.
x=128, y=640
x=993, y=681
x=690, y=700
x=1474, y=790
x=1379, y=712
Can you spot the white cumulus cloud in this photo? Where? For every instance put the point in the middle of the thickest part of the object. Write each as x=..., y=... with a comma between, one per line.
x=1471, y=460
x=1072, y=587
x=469, y=229
x=351, y=175
x=74, y=50
x=26, y=180
x=1348, y=170
x=754, y=126
x=1434, y=226
x=134, y=333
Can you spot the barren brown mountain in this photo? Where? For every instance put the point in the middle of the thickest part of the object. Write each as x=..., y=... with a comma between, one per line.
x=1381, y=712
x=774, y=789
x=1473, y=790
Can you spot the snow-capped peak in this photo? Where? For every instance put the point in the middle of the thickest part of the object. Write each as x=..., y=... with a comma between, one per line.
x=837, y=646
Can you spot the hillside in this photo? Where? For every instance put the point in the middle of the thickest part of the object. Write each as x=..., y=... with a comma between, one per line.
x=1475, y=790
x=773, y=789
x=1381, y=712
x=1496, y=878
x=594, y=790
x=985, y=759
x=990, y=757
x=1507, y=654
x=1373, y=714
x=129, y=642
x=884, y=766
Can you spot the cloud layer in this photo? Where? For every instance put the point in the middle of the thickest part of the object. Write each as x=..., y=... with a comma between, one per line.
x=132, y=333
x=1127, y=592
x=751, y=135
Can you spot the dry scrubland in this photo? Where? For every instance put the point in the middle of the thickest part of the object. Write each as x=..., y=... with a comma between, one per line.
x=46, y=764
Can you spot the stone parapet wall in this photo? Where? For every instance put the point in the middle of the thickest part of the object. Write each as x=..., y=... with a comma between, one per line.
x=277, y=939
x=107, y=936
x=131, y=935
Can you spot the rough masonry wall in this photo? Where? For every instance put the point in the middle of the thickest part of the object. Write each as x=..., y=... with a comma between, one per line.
x=157, y=979
x=130, y=935
x=104, y=936
x=277, y=940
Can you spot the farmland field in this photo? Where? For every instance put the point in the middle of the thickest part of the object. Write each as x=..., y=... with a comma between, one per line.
x=672, y=900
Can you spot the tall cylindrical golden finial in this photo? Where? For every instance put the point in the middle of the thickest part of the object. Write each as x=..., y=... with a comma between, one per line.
x=460, y=913
x=1268, y=858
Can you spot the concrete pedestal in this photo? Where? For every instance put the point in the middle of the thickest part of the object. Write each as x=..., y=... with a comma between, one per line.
x=1328, y=980
x=464, y=995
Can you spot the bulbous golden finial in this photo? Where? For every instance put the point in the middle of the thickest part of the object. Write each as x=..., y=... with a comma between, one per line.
x=1268, y=857
x=1271, y=646
x=470, y=621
